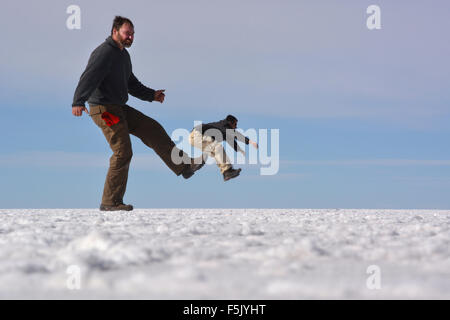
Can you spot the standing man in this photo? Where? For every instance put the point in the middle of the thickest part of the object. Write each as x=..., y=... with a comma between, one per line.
x=105, y=85
x=209, y=137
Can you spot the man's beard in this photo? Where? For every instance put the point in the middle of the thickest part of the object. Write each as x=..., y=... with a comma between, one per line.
x=126, y=43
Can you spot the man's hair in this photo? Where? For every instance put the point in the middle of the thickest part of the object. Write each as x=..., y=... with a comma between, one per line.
x=119, y=21
x=231, y=118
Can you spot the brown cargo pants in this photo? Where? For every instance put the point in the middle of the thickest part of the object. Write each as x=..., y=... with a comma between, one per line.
x=211, y=148
x=126, y=120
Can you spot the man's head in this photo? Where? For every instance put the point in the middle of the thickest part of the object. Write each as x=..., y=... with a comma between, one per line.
x=232, y=121
x=122, y=31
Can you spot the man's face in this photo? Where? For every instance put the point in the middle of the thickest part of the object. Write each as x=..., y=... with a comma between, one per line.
x=125, y=35
x=233, y=124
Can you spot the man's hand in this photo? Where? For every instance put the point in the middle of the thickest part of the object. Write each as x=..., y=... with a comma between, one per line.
x=253, y=143
x=77, y=111
x=159, y=95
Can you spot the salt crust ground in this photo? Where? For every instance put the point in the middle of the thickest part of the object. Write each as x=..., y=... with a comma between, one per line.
x=224, y=253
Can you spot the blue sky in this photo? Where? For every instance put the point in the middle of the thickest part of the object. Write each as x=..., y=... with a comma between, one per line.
x=363, y=115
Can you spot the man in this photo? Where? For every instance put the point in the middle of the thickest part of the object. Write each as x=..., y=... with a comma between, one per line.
x=105, y=85
x=208, y=137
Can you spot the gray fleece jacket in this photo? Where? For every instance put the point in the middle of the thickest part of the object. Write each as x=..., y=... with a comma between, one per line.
x=109, y=78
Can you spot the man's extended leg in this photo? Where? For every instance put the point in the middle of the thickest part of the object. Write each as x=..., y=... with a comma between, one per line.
x=118, y=138
x=154, y=136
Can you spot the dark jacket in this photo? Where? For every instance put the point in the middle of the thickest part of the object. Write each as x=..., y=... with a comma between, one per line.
x=108, y=78
x=223, y=131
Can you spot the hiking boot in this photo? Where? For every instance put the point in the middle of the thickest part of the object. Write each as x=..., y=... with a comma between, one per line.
x=116, y=207
x=189, y=170
x=197, y=166
x=231, y=173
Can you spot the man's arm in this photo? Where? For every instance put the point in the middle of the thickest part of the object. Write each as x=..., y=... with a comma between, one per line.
x=237, y=148
x=96, y=70
x=241, y=137
x=138, y=90
x=237, y=136
x=232, y=138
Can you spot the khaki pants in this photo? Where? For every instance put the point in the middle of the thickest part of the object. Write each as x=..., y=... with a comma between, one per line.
x=118, y=136
x=211, y=148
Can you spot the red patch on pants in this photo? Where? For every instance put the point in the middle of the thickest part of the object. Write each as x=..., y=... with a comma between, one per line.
x=110, y=119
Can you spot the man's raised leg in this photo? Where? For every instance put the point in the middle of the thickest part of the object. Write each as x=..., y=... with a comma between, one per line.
x=154, y=136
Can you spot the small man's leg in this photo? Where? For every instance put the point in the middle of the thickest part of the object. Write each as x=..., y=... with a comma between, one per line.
x=196, y=140
x=216, y=150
